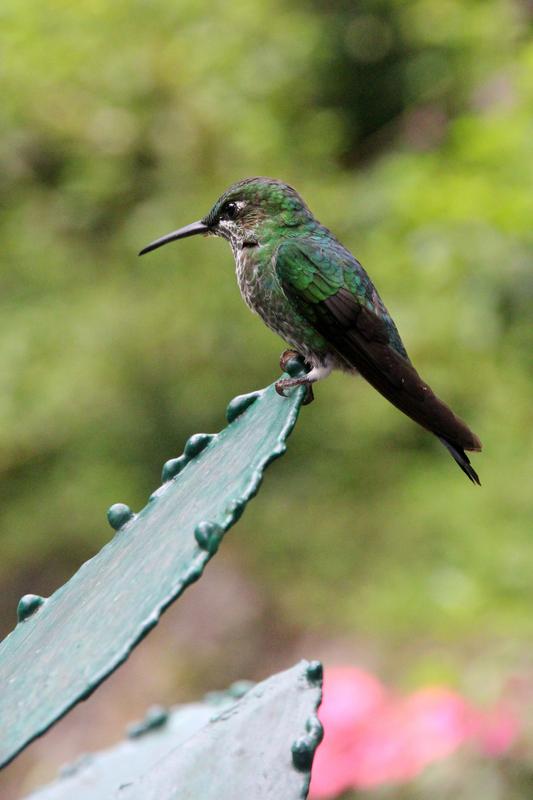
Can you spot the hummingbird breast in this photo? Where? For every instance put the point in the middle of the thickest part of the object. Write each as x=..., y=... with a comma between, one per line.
x=262, y=292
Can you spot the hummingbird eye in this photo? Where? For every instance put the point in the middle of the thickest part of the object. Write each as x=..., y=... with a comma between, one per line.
x=230, y=211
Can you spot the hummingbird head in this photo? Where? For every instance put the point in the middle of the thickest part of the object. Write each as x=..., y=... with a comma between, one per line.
x=247, y=214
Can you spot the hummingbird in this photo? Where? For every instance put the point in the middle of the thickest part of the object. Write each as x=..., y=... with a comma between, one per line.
x=310, y=290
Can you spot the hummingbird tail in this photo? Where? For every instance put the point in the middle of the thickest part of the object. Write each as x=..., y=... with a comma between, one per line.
x=462, y=460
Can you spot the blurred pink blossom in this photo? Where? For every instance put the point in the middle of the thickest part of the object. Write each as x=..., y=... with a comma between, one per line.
x=372, y=737
x=498, y=729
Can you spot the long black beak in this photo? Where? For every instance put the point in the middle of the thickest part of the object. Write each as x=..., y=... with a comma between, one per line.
x=189, y=230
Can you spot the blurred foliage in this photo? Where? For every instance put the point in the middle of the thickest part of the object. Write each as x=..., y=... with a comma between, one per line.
x=407, y=127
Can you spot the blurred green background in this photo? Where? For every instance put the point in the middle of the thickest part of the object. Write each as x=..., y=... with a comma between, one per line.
x=407, y=127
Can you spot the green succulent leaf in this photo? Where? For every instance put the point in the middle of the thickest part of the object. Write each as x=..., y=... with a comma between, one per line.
x=260, y=746
x=64, y=646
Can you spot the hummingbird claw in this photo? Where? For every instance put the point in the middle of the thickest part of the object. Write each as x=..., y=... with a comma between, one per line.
x=309, y=395
x=287, y=383
x=279, y=386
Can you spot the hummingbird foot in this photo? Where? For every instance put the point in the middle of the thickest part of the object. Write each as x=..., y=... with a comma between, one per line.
x=288, y=383
x=309, y=395
x=292, y=361
x=316, y=373
x=286, y=356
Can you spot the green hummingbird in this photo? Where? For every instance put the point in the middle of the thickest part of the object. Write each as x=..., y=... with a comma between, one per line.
x=310, y=290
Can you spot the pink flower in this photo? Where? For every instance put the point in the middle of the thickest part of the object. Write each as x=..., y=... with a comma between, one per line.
x=351, y=698
x=372, y=737
x=498, y=730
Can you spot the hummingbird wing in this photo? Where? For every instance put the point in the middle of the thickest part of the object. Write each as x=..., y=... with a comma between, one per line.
x=332, y=291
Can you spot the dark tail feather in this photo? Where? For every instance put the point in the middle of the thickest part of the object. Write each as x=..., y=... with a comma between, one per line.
x=462, y=459
x=366, y=346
